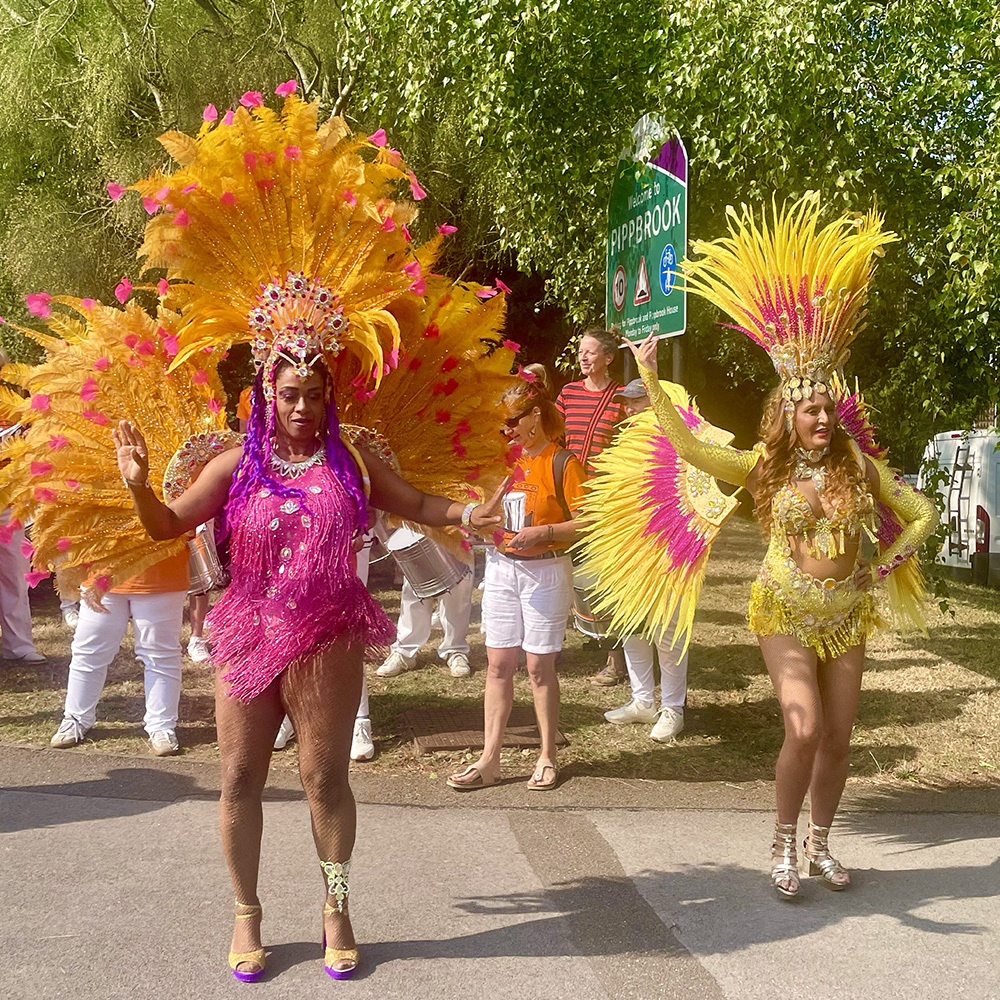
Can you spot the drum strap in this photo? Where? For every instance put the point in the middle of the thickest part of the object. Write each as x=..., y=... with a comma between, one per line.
x=559, y=462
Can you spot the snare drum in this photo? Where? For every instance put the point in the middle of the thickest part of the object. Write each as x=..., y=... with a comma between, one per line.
x=584, y=617
x=206, y=570
x=429, y=568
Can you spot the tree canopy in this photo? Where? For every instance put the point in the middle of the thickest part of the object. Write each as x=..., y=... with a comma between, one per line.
x=513, y=114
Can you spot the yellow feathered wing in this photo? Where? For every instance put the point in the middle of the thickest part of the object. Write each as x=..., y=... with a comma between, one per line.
x=652, y=519
x=108, y=365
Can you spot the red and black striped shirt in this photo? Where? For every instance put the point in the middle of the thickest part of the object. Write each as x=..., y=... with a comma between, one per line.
x=577, y=404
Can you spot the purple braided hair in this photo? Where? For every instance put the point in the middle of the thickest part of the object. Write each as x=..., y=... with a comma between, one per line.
x=253, y=472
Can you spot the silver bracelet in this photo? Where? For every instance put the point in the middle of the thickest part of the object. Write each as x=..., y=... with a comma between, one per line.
x=134, y=486
x=467, y=513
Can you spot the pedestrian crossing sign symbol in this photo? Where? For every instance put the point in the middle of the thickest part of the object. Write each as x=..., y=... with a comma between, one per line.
x=641, y=285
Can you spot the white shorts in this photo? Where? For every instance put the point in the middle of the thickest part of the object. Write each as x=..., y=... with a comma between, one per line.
x=526, y=602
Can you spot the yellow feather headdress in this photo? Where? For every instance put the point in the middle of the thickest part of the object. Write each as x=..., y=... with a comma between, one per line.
x=797, y=290
x=286, y=234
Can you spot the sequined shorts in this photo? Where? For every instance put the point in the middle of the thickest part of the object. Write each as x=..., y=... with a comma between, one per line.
x=826, y=615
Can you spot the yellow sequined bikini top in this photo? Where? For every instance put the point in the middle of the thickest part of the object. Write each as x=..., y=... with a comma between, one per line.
x=793, y=515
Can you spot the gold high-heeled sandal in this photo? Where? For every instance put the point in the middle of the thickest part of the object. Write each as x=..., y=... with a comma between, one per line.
x=784, y=864
x=817, y=852
x=336, y=879
x=256, y=957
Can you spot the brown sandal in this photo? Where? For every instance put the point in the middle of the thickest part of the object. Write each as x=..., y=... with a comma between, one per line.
x=477, y=779
x=535, y=782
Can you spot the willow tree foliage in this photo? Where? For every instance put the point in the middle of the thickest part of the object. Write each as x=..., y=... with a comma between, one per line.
x=513, y=113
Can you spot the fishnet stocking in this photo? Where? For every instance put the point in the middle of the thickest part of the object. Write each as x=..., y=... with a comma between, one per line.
x=321, y=696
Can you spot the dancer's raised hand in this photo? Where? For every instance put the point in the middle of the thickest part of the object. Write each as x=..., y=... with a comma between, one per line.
x=133, y=458
x=644, y=353
x=487, y=515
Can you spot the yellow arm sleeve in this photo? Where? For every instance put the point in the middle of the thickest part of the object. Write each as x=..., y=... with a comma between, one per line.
x=916, y=513
x=731, y=465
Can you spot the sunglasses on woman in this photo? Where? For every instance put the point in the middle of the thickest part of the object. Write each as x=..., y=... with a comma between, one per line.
x=512, y=422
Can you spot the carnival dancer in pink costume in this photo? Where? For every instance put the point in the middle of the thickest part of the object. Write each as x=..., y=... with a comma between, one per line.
x=293, y=626
x=293, y=236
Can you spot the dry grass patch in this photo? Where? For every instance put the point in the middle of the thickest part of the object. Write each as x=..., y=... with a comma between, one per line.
x=930, y=710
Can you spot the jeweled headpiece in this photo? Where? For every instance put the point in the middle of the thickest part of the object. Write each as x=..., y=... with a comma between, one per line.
x=798, y=292
x=299, y=321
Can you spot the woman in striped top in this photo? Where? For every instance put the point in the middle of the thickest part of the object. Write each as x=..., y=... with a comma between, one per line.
x=591, y=412
x=588, y=406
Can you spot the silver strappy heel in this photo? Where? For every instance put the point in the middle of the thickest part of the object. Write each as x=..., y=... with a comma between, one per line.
x=817, y=852
x=784, y=865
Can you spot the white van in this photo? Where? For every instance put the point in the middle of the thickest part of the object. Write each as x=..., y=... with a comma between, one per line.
x=970, y=499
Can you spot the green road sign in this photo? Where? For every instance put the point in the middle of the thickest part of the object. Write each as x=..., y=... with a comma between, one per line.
x=647, y=235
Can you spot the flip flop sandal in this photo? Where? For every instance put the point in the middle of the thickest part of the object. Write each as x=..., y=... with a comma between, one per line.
x=535, y=782
x=479, y=781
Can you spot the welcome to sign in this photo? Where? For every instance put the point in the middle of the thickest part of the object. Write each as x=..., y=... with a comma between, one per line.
x=647, y=234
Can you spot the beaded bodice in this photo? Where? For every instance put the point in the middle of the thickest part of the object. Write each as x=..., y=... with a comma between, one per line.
x=295, y=591
x=792, y=515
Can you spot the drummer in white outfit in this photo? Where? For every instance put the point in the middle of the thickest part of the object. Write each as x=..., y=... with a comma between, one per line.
x=16, y=642
x=669, y=719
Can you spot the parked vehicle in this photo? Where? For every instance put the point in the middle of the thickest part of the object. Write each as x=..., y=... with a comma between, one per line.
x=970, y=497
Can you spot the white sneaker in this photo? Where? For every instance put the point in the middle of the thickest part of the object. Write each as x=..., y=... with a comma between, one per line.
x=286, y=732
x=69, y=733
x=362, y=747
x=458, y=665
x=668, y=725
x=70, y=617
x=164, y=743
x=396, y=663
x=198, y=649
x=634, y=711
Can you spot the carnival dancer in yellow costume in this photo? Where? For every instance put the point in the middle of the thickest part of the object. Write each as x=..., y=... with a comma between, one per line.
x=291, y=235
x=820, y=485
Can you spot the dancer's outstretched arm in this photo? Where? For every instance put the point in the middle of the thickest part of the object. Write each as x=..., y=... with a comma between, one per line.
x=203, y=500
x=395, y=495
x=731, y=465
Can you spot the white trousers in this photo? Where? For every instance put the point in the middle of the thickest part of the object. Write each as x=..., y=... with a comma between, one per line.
x=15, y=612
x=414, y=626
x=156, y=619
x=673, y=672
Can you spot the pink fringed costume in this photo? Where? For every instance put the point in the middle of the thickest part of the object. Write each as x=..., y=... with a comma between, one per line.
x=295, y=591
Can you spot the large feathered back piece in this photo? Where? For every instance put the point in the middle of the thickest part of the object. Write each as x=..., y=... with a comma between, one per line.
x=102, y=365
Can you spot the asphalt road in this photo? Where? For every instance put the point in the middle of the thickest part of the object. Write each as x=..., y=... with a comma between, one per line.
x=113, y=886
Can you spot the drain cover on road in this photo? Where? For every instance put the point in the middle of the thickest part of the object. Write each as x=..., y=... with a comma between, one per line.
x=460, y=728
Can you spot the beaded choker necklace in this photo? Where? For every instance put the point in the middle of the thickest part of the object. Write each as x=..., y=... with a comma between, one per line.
x=292, y=470
x=805, y=467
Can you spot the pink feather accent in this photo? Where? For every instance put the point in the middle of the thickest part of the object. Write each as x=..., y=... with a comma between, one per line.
x=39, y=304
